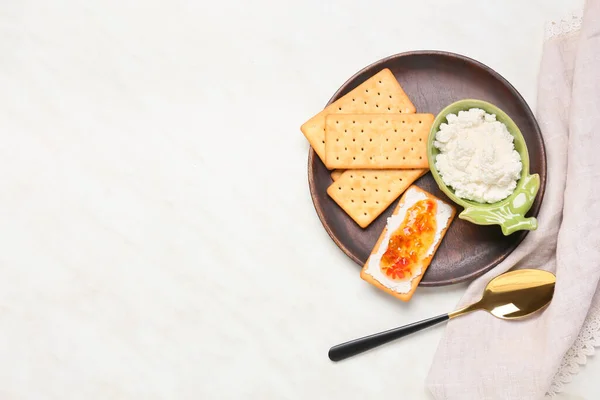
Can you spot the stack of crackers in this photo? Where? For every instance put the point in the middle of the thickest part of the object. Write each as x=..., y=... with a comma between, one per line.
x=375, y=143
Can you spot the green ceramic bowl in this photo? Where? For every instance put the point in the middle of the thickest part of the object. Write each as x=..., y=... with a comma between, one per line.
x=510, y=212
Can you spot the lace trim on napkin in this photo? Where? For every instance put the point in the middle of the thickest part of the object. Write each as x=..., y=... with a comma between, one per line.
x=584, y=346
x=565, y=26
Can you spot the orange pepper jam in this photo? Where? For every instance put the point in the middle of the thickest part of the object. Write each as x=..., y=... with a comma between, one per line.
x=410, y=241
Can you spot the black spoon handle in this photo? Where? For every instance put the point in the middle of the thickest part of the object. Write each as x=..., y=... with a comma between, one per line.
x=357, y=346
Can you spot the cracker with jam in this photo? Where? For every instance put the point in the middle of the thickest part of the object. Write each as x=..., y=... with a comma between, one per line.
x=408, y=243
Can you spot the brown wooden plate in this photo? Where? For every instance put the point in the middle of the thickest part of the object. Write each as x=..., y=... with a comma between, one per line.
x=432, y=80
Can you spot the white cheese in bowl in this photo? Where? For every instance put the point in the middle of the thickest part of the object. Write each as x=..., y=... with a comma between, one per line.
x=477, y=156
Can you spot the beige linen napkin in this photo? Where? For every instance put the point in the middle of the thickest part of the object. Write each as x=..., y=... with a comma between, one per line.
x=483, y=358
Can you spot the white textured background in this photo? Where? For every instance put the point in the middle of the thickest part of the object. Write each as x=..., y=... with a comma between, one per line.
x=157, y=238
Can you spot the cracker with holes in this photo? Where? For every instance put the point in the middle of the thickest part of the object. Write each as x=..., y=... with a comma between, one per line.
x=408, y=243
x=365, y=194
x=380, y=94
x=377, y=141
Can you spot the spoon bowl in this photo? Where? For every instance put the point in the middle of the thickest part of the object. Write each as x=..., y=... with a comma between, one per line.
x=515, y=294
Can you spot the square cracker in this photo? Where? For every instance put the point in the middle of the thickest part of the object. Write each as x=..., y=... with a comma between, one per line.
x=377, y=141
x=365, y=194
x=425, y=262
x=379, y=94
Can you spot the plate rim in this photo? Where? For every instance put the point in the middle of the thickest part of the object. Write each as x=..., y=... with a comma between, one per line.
x=543, y=174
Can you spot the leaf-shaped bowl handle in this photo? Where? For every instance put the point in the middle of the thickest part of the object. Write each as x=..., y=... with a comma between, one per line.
x=510, y=214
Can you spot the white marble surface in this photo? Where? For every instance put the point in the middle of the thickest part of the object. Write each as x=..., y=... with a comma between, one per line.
x=157, y=236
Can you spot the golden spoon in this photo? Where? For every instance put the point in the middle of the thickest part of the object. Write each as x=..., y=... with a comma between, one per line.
x=512, y=295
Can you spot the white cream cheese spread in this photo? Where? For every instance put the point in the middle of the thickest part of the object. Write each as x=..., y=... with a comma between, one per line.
x=477, y=156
